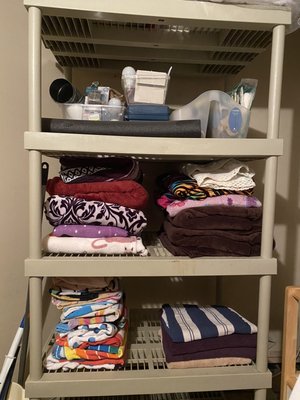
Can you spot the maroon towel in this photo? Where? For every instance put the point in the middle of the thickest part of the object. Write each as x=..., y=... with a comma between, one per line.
x=228, y=341
x=234, y=345
x=219, y=217
x=244, y=352
x=208, y=251
x=222, y=240
x=125, y=193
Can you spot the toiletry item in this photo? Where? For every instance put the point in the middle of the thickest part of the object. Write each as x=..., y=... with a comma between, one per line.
x=62, y=91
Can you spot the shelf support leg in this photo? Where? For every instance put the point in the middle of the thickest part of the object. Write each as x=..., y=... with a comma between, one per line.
x=35, y=287
x=34, y=122
x=35, y=193
x=272, y=133
x=269, y=201
x=260, y=394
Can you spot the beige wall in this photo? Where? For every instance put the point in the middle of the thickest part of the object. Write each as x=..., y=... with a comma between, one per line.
x=14, y=174
x=14, y=168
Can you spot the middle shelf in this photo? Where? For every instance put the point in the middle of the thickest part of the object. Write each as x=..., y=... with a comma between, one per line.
x=159, y=262
x=50, y=143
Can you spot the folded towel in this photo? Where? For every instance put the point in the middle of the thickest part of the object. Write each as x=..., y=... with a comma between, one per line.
x=180, y=186
x=63, y=301
x=219, y=217
x=86, y=283
x=212, y=343
x=210, y=362
x=223, y=240
x=69, y=210
x=108, y=246
x=99, y=169
x=229, y=200
x=53, y=364
x=125, y=193
x=197, y=251
x=110, y=314
x=222, y=174
x=244, y=352
x=188, y=322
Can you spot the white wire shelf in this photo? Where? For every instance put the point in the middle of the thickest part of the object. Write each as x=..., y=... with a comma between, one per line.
x=159, y=262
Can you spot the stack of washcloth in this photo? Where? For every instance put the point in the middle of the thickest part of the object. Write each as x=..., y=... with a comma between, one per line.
x=207, y=336
x=96, y=207
x=93, y=326
x=211, y=210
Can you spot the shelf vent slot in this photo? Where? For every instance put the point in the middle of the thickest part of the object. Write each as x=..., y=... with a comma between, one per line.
x=65, y=27
x=225, y=56
x=221, y=69
x=57, y=46
x=128, y=25
x=80, y=62
x=250, y=39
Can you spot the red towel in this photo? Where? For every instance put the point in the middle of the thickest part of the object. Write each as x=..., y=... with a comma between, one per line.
x=125, y=193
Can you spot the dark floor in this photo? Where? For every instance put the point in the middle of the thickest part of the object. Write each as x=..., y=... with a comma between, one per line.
x=272, y=394
x=248, y=395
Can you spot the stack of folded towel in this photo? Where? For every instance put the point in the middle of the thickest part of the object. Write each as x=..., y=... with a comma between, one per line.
x=211, y=210
x=207, y=336
x=93, y=327
x=96, y=207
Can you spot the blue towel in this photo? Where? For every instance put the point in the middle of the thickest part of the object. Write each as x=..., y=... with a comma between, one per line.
x=188, y=322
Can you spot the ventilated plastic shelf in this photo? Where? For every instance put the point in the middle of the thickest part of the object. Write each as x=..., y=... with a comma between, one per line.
x=53, y=144
x=146, y=371
x=195, y=37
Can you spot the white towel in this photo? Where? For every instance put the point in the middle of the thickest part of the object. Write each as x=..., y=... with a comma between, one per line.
x=108, y=246
x=227, y=174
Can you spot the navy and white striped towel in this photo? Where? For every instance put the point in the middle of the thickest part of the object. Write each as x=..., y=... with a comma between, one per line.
x=188, y=322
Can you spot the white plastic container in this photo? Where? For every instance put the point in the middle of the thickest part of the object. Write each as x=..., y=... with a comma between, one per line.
x=145, y=87
x=93, y=112
x=220, y=116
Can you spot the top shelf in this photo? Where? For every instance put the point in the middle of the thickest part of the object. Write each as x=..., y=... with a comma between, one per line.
x=193, y=36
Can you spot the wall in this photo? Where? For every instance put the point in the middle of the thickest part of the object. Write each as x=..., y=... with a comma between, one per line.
x=14, y=164
x=286, y=233
x=14, y=169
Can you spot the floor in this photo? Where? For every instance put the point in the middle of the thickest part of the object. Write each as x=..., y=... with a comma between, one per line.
x=248, y=395
x=272, y=394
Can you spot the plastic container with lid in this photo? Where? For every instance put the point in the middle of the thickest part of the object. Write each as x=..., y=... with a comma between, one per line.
x=220, y=116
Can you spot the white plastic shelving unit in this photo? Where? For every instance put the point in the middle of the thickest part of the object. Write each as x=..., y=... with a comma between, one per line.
x=197, y=37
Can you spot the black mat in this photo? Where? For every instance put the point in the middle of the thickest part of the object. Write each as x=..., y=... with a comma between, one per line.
x=180, y=129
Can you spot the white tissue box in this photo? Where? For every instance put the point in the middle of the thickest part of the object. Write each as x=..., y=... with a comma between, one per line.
x=146, y=87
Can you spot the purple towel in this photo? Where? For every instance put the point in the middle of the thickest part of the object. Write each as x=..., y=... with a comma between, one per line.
x=89, y=231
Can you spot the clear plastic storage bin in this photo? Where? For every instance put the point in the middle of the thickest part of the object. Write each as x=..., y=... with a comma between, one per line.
x=220, y=116
x=93, y=112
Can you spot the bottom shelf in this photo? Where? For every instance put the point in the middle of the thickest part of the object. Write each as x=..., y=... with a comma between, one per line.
x=146, y=371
